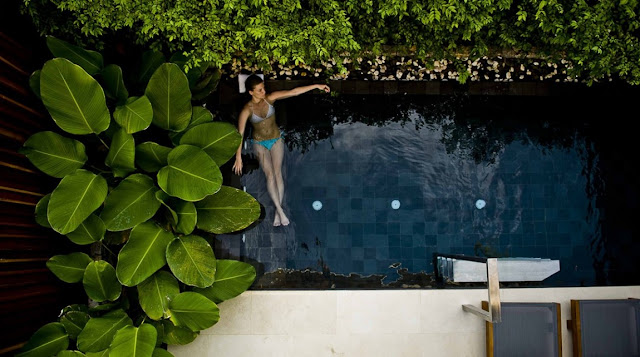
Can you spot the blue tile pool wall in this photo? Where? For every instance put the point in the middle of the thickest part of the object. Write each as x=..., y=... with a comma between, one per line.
x=537, y=205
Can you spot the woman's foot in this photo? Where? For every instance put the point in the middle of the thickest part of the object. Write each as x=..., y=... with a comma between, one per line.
x=280, y=219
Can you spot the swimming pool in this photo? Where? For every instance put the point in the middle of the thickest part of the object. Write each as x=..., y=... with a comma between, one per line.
x=556, y=172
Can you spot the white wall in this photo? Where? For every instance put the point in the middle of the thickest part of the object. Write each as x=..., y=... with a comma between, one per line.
x=368, y=323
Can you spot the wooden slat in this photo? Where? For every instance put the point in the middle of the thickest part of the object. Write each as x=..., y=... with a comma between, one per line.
x=30, y=295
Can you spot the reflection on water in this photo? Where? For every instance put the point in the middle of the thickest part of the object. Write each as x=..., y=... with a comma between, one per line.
x=539, y=163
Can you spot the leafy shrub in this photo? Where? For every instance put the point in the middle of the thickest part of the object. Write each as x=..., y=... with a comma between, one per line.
x=150, y=205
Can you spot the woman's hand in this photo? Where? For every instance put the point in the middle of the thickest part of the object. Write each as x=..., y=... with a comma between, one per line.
x=324, y=87
x=237, y=166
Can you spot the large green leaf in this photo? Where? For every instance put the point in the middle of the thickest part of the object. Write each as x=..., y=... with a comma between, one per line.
x=91, y=61
x=74, y=322
x=192, y=261
x=54, y=154
x=200, y=115
x=41, y=211
x=177, y=335
x=135, y=115
x=103, y=353
x=156, y=292
x=100, y=282
x=187, y=216
x=143, y=254
x=114, y=83
x=151, y=60
x=121, y=156
x=34, y=83
x=76, y=197
x=132, y=202
x=190, y=174
x=99, y=331
x=161, y=352
x=74, y=99
x=219, y=140
x=183, y=213
x=47, y=341
x=132, y=341
x=70, y=267
x=90, y=231
x=229, y=210
x=68, y=353
x=232, y=279
x=193, y=311
x=151, y=157
x=168, y=92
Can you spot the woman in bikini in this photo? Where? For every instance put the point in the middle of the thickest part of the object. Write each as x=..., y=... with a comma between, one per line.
x=267, y=139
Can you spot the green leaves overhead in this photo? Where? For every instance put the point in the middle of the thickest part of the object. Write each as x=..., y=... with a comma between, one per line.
x=41, y=211
x=34, y=83
x=177, y=335
x=121, y=155
x=134, y=341
x=99, y=331
x=168, y=92
x=90, y=231
x=54, y=154
x=187, y=216
x=135, y=115
x=190, y=174
x=90, y=61
x=156, y=292
x=200, y=115
x=229, y=210
x=69, y=268
x=151, y=157
x=100, y=282
x=193, y=311
x=74, y=322
x=143, y=254
x=74, y=99
x=232, y=279
x=114, y=83
x=130, y=203
x=192, y=261
x=219, y=140
x=76, y=197
x=47, y=341
x=149, y=63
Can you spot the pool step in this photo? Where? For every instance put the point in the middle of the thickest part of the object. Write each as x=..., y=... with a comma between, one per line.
x=509, y=269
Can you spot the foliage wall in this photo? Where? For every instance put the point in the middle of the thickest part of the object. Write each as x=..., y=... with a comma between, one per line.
x=598, y=37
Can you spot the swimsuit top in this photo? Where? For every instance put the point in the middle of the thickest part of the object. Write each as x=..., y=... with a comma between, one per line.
x=256, y=119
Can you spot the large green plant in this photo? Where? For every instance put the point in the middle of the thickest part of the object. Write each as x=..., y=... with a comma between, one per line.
x=150, y=205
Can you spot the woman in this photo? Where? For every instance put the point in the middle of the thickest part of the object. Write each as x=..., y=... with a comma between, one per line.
x=267, y=139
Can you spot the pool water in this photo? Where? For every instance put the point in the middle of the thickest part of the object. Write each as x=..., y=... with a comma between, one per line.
x=555, y=173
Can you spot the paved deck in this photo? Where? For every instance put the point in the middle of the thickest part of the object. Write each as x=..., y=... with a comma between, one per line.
x=368, y=323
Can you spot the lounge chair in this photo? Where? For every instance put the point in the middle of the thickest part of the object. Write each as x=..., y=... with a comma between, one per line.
x=527, y=329
x=605, y=327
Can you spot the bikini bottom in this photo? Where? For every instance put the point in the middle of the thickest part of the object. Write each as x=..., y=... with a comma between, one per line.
x=267, y=143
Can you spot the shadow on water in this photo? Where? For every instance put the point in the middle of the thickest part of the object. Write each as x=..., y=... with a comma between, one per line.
x=475, y=134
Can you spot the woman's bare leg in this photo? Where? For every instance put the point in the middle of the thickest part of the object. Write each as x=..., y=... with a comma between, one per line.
x=277, y=157
x=264, y=157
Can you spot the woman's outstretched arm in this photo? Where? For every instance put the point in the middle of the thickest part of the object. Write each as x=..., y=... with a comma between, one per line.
x=242, y=124
x=282, y=94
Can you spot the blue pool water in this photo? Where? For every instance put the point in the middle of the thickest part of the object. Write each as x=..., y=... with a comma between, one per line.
x=556, y=181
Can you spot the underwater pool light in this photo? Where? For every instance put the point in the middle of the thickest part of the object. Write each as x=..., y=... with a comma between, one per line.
x=395, y=204
x=480, y=204
x=317, y=205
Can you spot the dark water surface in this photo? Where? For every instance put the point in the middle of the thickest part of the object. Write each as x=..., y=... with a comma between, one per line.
x=557, y=174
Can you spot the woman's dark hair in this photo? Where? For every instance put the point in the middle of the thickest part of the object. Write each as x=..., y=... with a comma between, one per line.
x=252, y=81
